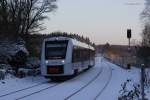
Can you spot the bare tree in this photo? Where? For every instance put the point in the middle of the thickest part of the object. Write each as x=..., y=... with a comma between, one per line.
x=146, y=35
x=24, y=16
x=145, y=15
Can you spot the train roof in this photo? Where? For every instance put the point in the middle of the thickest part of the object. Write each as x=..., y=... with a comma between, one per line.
x=74, y=41
x=81, y=44
x=56, y=38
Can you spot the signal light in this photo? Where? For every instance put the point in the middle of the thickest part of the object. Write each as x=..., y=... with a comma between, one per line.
x=129, y=33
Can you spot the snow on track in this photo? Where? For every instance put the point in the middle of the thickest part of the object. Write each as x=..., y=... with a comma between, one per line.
x=13, y=92
x=94, y=89
x=102, y=82
x=107, y=82
x=67, y=88
x=37, y=91
x=85, y=86
x=15, y=84
x=28, y=91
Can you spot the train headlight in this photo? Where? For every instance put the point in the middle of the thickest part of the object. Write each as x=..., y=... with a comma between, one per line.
x=46, y=61
x=63, y=61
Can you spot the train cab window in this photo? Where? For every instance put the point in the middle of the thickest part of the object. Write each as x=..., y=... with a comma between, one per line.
x=55, y=49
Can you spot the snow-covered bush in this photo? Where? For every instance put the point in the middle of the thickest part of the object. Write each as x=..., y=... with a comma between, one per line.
x=9, y=47
x=4, y=58
x=129, y=91
x=2, y=74
x=18, y=60
x=22, y=72
x=147, y=78
x=32, y=68
x=4, y=70
x=5, y=66
x=13, y=52
x=33, y=62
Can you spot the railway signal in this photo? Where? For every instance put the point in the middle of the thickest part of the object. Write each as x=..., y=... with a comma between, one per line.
x=129, y=48
x=129, y=37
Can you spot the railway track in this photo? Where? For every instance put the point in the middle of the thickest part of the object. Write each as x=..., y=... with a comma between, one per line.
x=91, y=82
x=13, y=92
x=43, y=89
x=28, y=94
x=86, y=85
x=25, y=96
x=110, y=76
x=43, y=85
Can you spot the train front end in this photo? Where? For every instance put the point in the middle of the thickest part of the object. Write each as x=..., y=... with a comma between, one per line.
x=56, y=58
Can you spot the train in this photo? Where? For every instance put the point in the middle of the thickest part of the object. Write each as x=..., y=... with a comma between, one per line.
x=64, y=56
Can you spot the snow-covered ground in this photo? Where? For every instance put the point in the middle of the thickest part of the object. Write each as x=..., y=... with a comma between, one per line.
x=102, y=82
x=11, y=84
x=119, y=76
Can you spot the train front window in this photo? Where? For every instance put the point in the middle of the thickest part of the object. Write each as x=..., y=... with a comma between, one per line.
x=55, y=49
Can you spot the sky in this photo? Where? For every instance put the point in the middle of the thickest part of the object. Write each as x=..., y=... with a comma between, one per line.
x=101, y=20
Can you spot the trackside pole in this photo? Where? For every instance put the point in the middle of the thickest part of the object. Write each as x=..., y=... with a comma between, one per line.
x=142, y=81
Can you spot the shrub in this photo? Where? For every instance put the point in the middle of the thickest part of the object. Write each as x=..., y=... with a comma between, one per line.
x=18, y=60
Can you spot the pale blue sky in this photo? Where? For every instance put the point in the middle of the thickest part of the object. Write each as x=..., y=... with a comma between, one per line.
x=101, y=20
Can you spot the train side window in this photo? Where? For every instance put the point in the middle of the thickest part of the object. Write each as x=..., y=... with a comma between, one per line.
x=81, y=54
x=76, y=54
x=73, y=55
x=84, y=54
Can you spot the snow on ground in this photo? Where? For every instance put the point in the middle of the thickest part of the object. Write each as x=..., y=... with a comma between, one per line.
x=96, y=86
x=62, y=91
x=110, y=92
x=119, y=76
x=11, y=84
